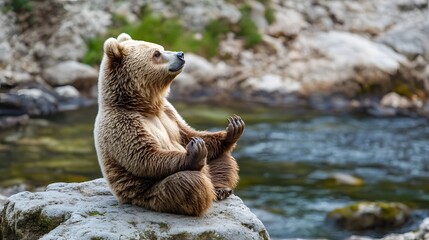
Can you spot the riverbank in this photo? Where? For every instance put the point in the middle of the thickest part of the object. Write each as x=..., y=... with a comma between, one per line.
x=334, y=56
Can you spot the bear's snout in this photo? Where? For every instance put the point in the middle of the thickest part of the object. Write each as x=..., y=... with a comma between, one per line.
x=177, y=61
x=181, y=55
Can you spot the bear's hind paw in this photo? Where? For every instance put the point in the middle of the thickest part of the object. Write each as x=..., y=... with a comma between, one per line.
x=221, y=194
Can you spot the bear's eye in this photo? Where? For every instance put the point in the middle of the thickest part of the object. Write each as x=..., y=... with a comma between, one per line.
x=157, y=54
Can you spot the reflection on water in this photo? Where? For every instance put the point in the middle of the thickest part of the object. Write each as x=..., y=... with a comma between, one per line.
x=285, y=161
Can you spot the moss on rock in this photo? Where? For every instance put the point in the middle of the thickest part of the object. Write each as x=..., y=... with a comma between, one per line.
x=370, y=215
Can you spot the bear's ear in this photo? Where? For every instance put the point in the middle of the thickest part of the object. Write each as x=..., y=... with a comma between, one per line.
x=112, y=48
x=124, y=37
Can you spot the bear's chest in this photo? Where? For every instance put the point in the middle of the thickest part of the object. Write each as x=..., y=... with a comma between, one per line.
x=165, y=131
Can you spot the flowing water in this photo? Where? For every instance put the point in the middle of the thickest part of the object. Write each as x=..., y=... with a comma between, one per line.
x=286, y=160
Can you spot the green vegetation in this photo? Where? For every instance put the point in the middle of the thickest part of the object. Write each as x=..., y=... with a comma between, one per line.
x=180, y=236
x=171, y=33
x=18, y=6
x=269, y=14
x=263, y=234
x=149, y=235
x=384, y=215
x=95, y=213
x=248, y=30
x=269, y=11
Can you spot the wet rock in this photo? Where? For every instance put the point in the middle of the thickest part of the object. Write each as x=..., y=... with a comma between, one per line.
x=11, y=121
x=72, y=73
x=88, y=210
x=394, y=100
x=346, y=179
x=67, y=91
x=370, y=215
x=393, y=104
x=421, y=233
x=37, y=101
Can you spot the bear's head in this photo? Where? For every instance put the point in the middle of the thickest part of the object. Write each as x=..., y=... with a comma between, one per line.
x=137, y=74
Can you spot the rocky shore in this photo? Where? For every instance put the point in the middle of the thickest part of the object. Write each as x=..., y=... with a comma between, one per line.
x=88, y=210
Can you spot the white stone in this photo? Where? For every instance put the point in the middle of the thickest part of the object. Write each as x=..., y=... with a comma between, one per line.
x=67, y=73
x=346, y=179
x=272, y=83
x=288, y=22
x=395, y=100
x=67, y=91
x=88, y=210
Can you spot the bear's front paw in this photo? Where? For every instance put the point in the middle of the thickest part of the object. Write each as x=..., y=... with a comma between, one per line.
x=196, y=153
x=235, y=129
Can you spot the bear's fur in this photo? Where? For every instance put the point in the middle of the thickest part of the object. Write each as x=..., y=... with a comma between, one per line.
x=148, y=154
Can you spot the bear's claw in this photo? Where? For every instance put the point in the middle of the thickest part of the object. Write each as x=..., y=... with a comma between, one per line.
x=235, y=128
x=196, y=153
x=221, y=194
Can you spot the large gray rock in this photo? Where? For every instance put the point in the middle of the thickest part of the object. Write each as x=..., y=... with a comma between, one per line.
x=89, y=211
x=73, y=73
x=411, y=40
x=339, y=62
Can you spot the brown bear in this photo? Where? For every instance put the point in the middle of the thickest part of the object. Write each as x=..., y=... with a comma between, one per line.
x=147, y=152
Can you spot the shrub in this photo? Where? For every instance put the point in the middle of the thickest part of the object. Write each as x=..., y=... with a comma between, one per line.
x=248, y=29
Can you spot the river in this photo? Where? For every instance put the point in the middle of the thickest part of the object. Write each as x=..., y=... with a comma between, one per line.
x=286, y=159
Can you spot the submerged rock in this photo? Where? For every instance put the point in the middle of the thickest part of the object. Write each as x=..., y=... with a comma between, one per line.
x=370, y=215
x=88, y=210
x=346, y=179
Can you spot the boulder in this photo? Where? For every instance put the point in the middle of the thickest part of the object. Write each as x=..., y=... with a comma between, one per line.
x=88, y=210
x=198, y=67
x=370, y=215
x=409, y=39
x=288, y=23
x=421, y=233
x=394, y=100
x=34, y=101
x=272, y=83
x=340, y=62
x=79, y=75
x=67, y=91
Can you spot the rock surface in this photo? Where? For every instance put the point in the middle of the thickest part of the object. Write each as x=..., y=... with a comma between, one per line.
x=370, y=215
x=422, y=233
x=88, y=210
x=71, y=73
